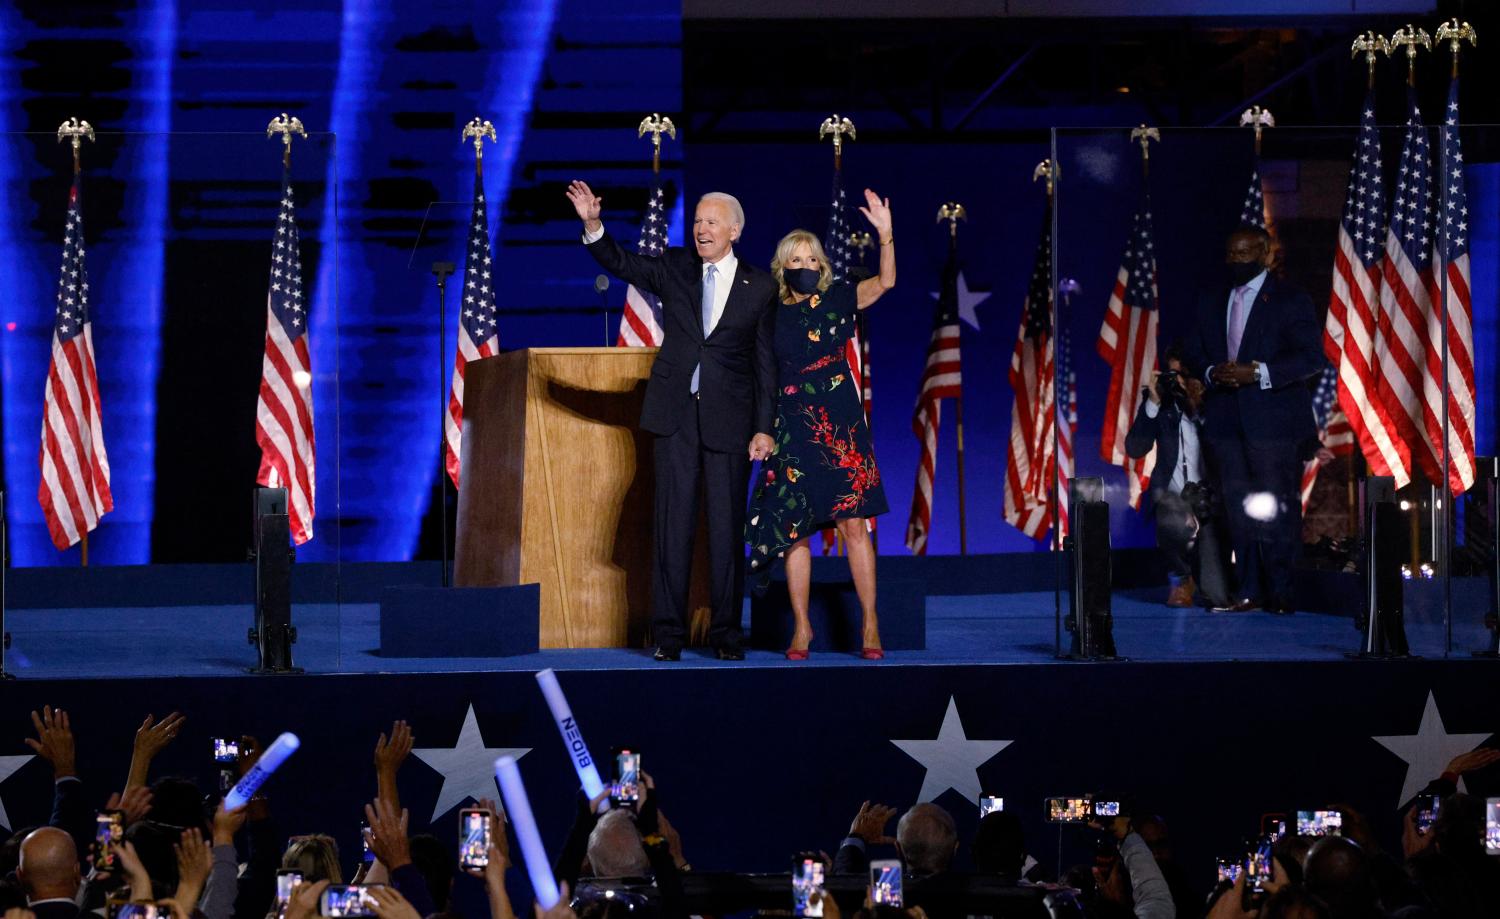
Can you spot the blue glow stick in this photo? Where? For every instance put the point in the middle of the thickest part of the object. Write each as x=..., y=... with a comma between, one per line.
x=567, y=726
x=275, y=755
x=518, y=809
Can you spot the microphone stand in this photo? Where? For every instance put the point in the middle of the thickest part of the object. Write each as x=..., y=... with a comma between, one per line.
x=441, y=270
x=601, y=287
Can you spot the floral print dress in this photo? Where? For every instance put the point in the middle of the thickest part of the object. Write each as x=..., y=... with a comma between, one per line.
x=823, y=466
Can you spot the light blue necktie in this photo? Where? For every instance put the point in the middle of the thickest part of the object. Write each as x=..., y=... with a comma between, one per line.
x=708, y=315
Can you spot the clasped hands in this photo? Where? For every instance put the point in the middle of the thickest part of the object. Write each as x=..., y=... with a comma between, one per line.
x=1234, y=374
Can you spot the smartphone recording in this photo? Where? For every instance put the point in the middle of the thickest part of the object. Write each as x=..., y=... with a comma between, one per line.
x=1069, y=810
x=990, y=804
x=1320, y=823
x=626, y=788
x=885, y=883
x=346, y=900
x=226, y=750
x=473, y=837
x=109, y=830
x=286, y=879
x=807, y=887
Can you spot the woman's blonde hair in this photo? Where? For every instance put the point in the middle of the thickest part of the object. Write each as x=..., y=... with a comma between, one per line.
x=317, y=857
x=784, y=250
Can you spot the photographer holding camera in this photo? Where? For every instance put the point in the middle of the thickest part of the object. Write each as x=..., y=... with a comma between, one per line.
x=1169, y=420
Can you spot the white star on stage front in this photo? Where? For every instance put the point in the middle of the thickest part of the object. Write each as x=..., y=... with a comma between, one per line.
x=967, y=300
x=468, y=767
x=952, y=760
x=1429, y=751
x=8, y=767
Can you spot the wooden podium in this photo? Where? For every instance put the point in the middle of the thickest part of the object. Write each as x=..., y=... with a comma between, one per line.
x=557, y=490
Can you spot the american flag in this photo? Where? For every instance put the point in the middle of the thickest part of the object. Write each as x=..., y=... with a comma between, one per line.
x=284, y=412
x=1033, y=411
x=1349, y=331
x=1334, y=432
x=1127, y=340
x=74, y=488
x=856, y=349
x=840, y=260
x=942, y=378
x=478, y=336
x=640, y=326
x=1452, y=257
x=1409, y=329
x=1067, y=417
x=1253, y=211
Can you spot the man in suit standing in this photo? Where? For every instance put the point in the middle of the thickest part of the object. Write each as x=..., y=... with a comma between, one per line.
x=1257, y=344
x=710, y=402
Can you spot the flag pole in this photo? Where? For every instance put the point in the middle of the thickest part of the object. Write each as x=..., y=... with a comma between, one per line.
x=656, y=126
x=1045, y=170
x=476, y=130
x=1455, y=33
x=953, y=212
x=837, y=126
x=1408, y=38
x=1370, y=44
x=75, y=130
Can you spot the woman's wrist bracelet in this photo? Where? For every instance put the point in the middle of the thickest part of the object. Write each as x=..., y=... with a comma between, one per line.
x=887, y=242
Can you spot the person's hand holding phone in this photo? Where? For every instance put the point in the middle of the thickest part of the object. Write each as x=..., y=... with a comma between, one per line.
x=387, y=834
x=303, y=903
x=1230, y=904
x=1413, y=841
x=388, y=903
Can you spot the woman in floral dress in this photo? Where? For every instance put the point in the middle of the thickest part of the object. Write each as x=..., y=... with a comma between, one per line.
x=822, y=472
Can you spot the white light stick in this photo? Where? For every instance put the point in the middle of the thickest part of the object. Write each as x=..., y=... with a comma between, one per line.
x=588, y=773
x=275, y=755
x=518, y=807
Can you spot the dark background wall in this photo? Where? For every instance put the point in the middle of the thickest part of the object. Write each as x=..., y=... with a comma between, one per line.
x=947, y=107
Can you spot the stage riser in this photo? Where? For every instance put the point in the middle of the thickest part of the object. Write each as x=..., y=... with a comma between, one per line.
x=758, y=763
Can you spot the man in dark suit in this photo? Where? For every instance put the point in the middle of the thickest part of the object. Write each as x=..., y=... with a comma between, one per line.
x=1257, y=344
x=710, y=402
x=48, y=872
x=1170, y=421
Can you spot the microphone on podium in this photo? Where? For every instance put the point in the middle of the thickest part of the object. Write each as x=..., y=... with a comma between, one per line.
x=601, y=286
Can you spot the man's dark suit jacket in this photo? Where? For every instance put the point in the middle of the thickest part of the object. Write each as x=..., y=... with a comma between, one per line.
x=1163, y=432
x=60, y=909
x=1283, y=334
x=737, y=386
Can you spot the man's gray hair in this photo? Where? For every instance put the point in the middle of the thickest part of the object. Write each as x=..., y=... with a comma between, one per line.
x=615, y=847
x=927, y=837
x=736, y=213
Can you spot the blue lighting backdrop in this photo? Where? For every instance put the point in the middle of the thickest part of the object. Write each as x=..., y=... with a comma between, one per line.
x=181, y=194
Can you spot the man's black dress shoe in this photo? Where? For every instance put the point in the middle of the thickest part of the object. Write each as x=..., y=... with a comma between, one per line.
x=731, y=654
x=1238, y=606
x=668, y=654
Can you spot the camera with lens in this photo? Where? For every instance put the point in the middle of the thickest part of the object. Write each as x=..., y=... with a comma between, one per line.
x=1169, y=387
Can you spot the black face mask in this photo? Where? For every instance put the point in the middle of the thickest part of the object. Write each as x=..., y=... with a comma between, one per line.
x=1242, y=273
x=801, y=280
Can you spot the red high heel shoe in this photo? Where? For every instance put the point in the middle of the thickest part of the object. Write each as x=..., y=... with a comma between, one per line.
x=794, y=654
x=872, y=654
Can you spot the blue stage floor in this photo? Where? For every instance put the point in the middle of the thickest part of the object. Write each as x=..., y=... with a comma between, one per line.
x=989, y=629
